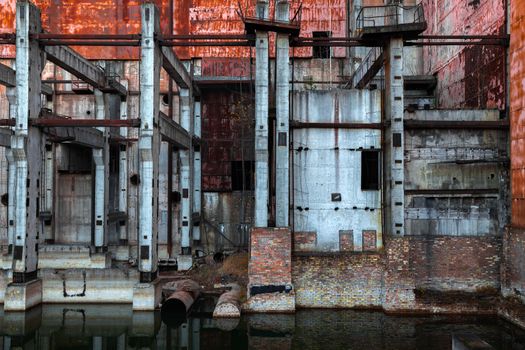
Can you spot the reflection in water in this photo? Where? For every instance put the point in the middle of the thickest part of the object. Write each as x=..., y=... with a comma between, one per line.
x=117, y=327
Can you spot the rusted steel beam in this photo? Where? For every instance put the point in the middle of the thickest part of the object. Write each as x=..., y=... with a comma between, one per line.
x=465, y=37
x=90, y=43
x=66, y=122
x=8, y=36
x=458, y=43
x=209, y=37
x=55, y=36
x=7, y=122
x=438, y=191
x=247, y=43
x=313, y=125
x=457, y=124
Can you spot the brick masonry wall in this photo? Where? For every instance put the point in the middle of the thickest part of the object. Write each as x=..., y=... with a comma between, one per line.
x=512, y=271
x=270, y=266
x=413, y=274
x=339, y=280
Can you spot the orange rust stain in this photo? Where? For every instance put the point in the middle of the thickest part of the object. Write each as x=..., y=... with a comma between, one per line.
x=517, y=110
x=189, y=17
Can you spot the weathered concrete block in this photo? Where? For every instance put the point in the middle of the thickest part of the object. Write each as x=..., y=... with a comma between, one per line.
x=23, y=296
x=184, y=262
x=147, y=296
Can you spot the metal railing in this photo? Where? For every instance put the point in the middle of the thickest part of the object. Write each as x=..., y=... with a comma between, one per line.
x=375, y=54
x=389, y=15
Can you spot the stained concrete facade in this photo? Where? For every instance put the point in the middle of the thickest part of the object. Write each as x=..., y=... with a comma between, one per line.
x=381, y=195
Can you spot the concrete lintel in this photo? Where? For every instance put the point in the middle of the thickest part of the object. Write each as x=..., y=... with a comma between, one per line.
x=176, y=70
x=5, y=137
x=7, y=76
x=173, y=132
x=68, y=59
x=88, y=137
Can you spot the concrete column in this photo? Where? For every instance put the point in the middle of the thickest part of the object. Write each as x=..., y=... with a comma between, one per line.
x=26, y=147
x=163, y=199
x=261, y=120
x=11, y=181
x=149, y=143
x=197, y=194
x=282, y=89
x=186, y=160
x=123, y=172
x=101, y=183
x=394, y=108
x=48, y=194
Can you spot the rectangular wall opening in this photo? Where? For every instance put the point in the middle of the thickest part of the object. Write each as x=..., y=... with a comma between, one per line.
x=370, y=168
x=243, y=175
x=321, y=51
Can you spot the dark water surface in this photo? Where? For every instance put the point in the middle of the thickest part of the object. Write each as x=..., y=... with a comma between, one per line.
x=117, y=327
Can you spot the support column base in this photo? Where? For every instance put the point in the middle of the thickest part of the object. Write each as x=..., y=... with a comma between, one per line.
x=23, y=296
x=147, y=296
x=271, y=303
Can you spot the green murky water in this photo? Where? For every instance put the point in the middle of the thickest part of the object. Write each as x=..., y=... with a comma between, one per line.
x=117, y=327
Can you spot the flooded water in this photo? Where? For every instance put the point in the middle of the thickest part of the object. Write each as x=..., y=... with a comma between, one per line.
x=117, y=327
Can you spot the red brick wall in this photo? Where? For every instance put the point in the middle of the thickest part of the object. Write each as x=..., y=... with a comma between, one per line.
x=304, y=241
x=395, y=279
x=270, y=256
x=513, y=270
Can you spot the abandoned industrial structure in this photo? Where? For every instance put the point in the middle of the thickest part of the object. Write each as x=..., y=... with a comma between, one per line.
x=366, y=154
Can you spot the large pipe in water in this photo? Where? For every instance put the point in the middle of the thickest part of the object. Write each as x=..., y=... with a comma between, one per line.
x=229, y=305
x=175, y=308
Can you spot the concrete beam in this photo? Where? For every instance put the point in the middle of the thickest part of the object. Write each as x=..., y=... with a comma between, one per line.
x=282, y=90
x=87, y=137
x=7, y=76
x=123, y=173
x=5, y=137
x=47, y=89
x=68, y=59
x=261, y=120
x=176, y=70
x=174, y=133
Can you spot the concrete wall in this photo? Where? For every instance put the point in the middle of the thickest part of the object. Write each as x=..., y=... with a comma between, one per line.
x=328, y=161
x=471, y=162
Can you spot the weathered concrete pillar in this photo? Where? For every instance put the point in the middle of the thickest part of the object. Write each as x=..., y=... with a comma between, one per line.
x=48, y=192
x=261, y=120
x=149, y=144
x=26, y=145
x=11, y=181
x=282, y=89
x=123, y=172
x=184, y=260
x=163, y=199
x=101, y=178
x=197, y=194
x=394, y=108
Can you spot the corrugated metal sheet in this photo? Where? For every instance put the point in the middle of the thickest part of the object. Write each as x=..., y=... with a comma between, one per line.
x=517, y=106
x=189, y=17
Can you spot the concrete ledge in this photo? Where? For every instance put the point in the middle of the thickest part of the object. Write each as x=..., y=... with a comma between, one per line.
x=184, y=262
x=23, y=296
x=147, y=296
x=271, y=303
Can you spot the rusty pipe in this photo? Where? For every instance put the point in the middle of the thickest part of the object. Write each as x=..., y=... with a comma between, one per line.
x=229, y=304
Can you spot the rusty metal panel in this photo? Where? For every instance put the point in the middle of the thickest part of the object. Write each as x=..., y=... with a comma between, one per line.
x=189, y=17
x=468, y=76
x=227, y=135
x=517, y=107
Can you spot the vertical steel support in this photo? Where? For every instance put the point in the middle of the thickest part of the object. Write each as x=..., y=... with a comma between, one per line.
x=186, y=173
x=26, y=144
x=149, y=142
x=282, y=89
x=101, y=159
x=123, y=171
x=261, y=120
x=197, y=195
x=394, y=114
